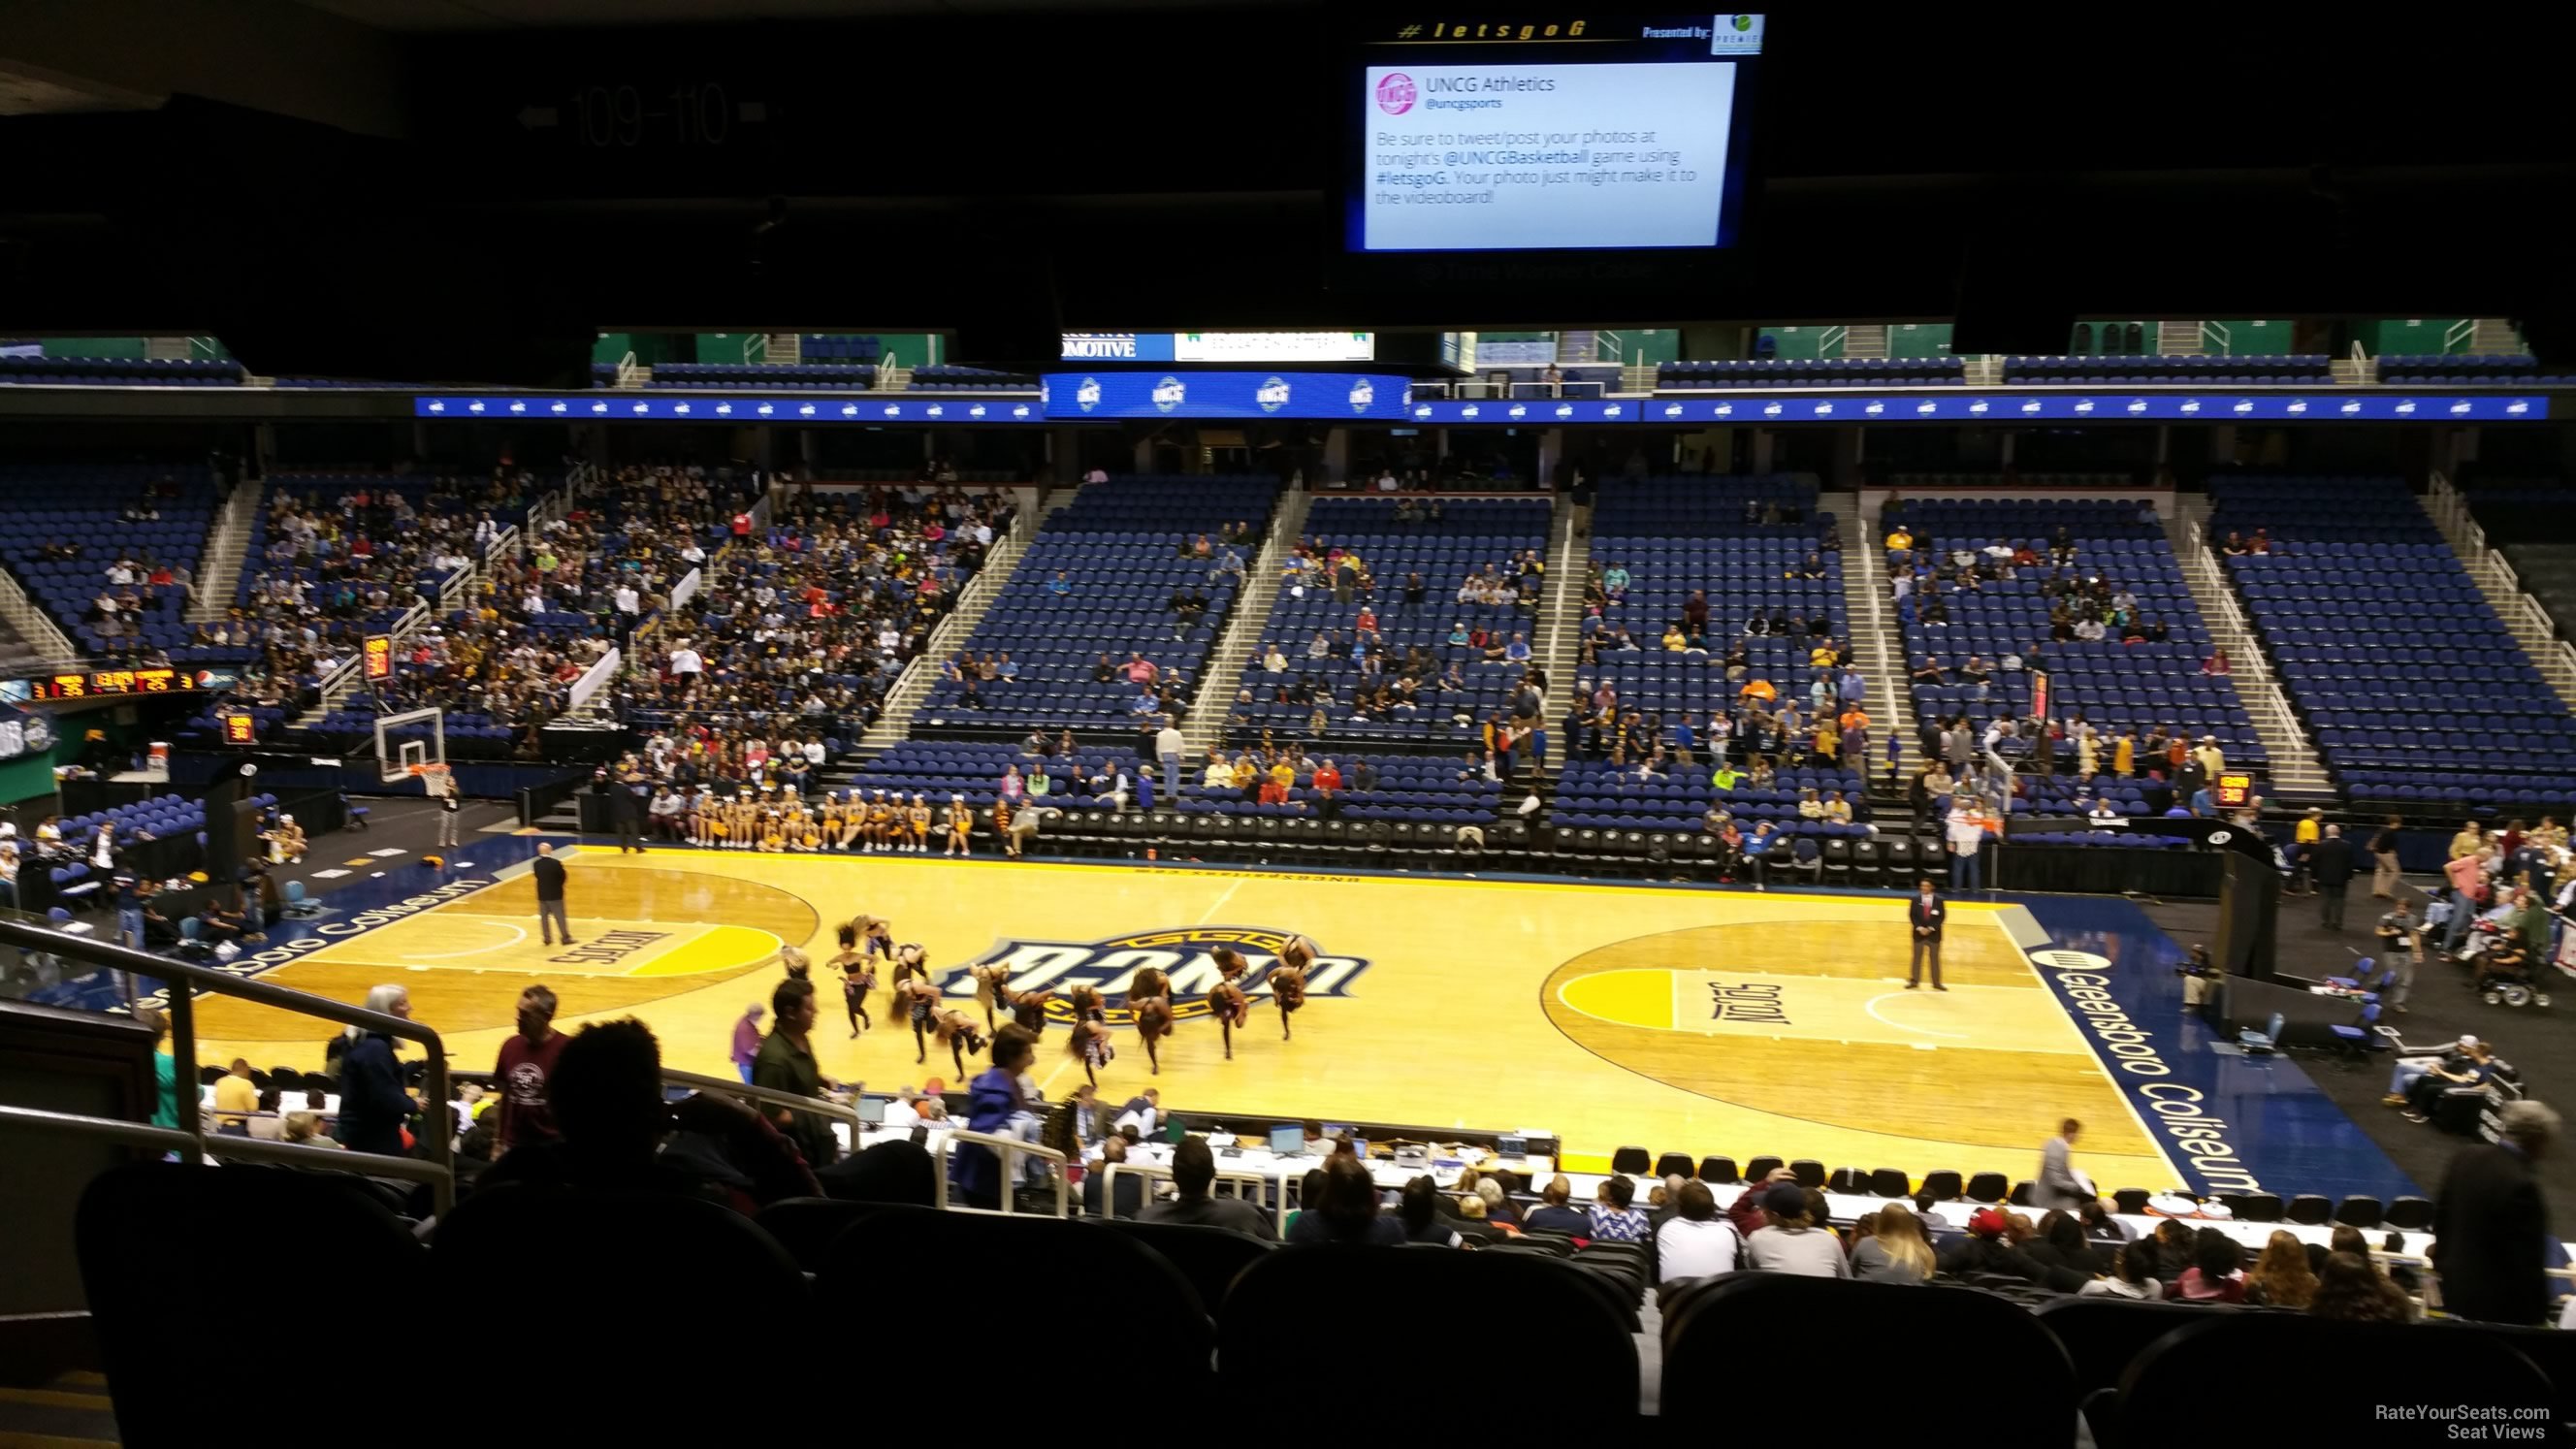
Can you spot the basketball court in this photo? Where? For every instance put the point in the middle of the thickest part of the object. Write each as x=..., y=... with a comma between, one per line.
x=1677, y=1020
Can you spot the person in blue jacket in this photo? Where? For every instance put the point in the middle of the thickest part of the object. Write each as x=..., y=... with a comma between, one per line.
x=373, y=1104
x=992, y=1101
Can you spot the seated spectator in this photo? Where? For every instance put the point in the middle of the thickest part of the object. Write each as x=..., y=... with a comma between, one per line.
x=606, y=1094
x=1344, y=1208
x=1613, y=1219
x=2351, y=1289
x=1695, y=1242
x=2281, y=1277
x=1792, y=1239
x=2134, y=1275
x=1552, y=1215
x=2060, y=1243
x=2217, y=1271
x=1418, y=1209
x=1987, y=1249
x=1194, y=1174
x=2416, y=1083
x=1895, y=1251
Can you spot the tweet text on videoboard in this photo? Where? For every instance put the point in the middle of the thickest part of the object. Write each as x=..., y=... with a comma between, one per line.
x=1515, y=157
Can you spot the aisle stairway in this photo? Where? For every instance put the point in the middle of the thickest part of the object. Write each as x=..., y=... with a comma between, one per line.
x=1560, y=633
x=226, y=545
x=1205, y=727
x=914, y=684
x=1875, y=640
x=2521, y=613
x=28, y=629
x=2297, y=774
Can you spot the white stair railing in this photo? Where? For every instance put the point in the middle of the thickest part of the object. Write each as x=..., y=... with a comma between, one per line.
x=2523, y=614
x=2294, y=760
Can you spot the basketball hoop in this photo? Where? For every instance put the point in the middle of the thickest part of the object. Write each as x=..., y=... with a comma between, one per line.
x=436, y=779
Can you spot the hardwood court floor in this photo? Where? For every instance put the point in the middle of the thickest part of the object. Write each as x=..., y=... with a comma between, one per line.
x=1705, y=1022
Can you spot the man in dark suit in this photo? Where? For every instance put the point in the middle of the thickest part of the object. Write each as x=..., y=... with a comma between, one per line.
x=2330, y=866
x=1926, y=913
x=549, y=874
x=2491, y=1226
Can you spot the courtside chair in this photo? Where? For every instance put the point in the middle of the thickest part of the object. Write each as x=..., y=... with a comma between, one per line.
x=1631, y=1161
x=1760, y=1168
x=1718, y=1171
x=2311, y=1209
x=1889, y=1182
x=2360, y=1210
x=1988, y=1187
x=2414, y=1214
x=1673, y=1164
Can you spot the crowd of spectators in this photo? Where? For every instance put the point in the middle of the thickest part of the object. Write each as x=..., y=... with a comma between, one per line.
x=804, y=624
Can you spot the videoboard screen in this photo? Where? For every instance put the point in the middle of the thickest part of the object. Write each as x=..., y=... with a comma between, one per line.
x=1583, y=133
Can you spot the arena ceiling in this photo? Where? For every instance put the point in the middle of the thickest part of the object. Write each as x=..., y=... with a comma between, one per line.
x=270, y=170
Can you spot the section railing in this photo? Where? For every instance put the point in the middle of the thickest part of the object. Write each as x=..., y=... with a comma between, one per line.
x=435, y=1166
x=1252, y=1187
x=1012, y=1151
x=839, y=1114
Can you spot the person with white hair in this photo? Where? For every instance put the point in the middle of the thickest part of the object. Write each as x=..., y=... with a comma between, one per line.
x=286, y=842
x=373, y=1104
x=2491, y=1237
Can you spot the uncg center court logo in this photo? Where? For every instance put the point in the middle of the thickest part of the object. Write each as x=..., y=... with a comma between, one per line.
x=1186, y=955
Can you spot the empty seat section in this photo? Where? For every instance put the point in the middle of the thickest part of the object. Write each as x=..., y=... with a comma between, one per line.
x=1117, y=549
x=1435, y=660
x=2416, y=694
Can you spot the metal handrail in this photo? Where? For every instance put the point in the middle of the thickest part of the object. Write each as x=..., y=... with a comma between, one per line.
x=1259, y=1184
x=240, y=1149
x=839, y=1112
x=2270, y=695
x=438, y=1170
x=1010, y=1150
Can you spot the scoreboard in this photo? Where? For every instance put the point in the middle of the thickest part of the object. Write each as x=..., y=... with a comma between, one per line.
x=106, y=683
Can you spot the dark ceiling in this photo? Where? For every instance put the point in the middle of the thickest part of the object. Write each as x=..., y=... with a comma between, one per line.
x=316, y=182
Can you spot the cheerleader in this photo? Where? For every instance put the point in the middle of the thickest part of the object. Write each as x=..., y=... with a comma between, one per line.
x=914, y=1000
x=992, y=983
x=1028, y=1011
x=1150, y=997
x=956, y=1031
x=876, y=936
x=1288, y=979
x=847, y=819
x=917, y=823
x=1087, y=1004
x=880, y=832
x=1226, y=1000
x=858, y=978
x=961, y=824
x=1090, y=1046
x=799, y=967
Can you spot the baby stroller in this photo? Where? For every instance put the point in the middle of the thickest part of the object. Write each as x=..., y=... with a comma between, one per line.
x=2502, y=971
